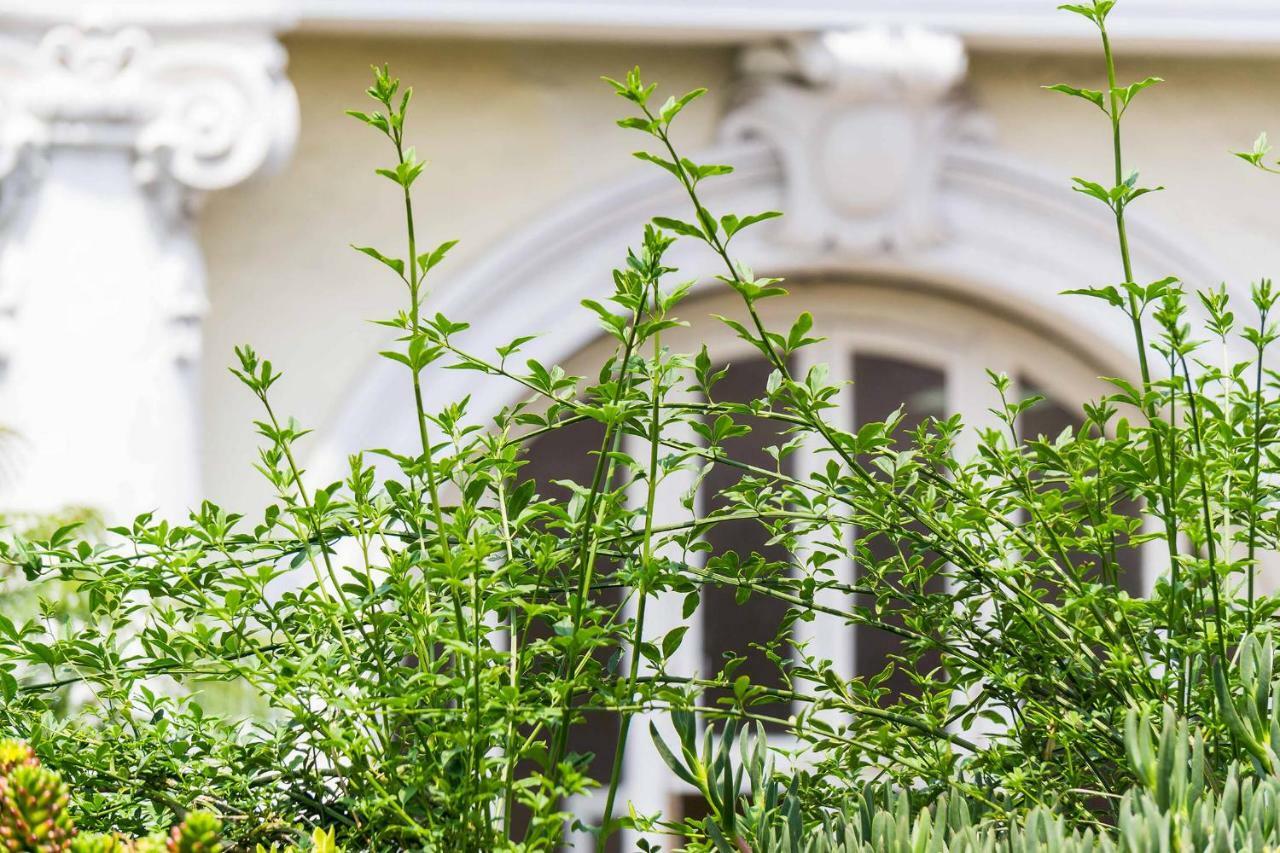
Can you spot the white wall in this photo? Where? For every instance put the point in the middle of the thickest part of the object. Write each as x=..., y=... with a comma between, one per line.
x=511, y=128
x=1178, y=134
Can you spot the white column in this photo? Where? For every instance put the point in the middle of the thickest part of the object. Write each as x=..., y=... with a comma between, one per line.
x=112, y=129
x=829, y=636
x=647, y=783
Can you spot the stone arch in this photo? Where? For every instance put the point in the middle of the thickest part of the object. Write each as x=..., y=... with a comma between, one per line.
x=943, y=207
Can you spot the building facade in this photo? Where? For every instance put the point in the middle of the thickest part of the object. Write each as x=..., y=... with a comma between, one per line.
x=179, y=178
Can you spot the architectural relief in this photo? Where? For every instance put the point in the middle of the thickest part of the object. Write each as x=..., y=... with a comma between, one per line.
x=111, y=132
x=858, y=119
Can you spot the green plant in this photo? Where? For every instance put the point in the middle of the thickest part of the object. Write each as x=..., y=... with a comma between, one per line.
x=199, y=832
x=1174, y=805
x=98, y=842
x=33, y=810
x=430, y=632
x=34, y=817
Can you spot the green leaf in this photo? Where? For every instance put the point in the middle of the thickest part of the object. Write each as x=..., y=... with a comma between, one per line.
x=1094, y=190
x=394, y=263
x=1091, y=95
x=428, y=260
x=514, y=346
x=672, y=107
x=657, y=161
x=1108, y=294
x=679, y=226
x=671, y=761
x=1126, y=94
x=636, y=123
x=1261, y=148
x=1096, y=12
x=732, y=224
x=797, y=337
x=671, y=641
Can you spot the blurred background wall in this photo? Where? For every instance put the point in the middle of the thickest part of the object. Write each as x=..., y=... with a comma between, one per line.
x=177, y=179
x=510, y=112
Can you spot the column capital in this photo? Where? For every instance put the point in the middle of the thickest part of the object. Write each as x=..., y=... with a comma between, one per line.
x=195, y=93
x=116, y=118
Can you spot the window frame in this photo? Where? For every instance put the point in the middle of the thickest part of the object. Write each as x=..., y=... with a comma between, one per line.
x=900, y=320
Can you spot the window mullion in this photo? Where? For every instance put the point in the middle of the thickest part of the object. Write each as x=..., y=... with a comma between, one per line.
x=830, y=634
x=971, y=395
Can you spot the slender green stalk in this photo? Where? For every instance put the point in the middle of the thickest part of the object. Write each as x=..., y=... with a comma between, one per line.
x=588, y=546
x=1210, y=537
x=1255, y=463
x=1163, y=477
x=415, y=282
x=646, y=569
x=513, y=655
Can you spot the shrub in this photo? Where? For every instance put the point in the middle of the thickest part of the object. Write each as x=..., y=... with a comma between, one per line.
x=34, y=817
x=1174, y=805
x=426, y=634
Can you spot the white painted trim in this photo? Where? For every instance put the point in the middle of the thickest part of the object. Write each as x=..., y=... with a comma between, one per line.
x=1192, y=26
x=984, y=283
x=1017, y=240
x=166, y=15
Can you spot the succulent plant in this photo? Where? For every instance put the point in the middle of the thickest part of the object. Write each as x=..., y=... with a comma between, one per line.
x=199, y=832
x=156, y=843
x=15, y=753
x=33, y=811
x=34, y=817
x=100, y=842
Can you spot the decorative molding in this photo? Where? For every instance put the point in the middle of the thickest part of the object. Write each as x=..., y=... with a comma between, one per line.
x=205, y=108
x=113, y=128
x=1017, y=241
x=196, y=108
x=1183, y=26
x=859, y=121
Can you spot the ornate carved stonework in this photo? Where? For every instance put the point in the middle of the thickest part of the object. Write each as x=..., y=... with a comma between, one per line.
x=201, y=98
x=116, y=118
x=859, y=120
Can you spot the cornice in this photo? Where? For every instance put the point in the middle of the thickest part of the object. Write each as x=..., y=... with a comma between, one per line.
x=1170, y=26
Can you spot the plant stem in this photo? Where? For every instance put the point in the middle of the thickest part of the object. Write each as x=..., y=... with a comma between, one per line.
x=428, y=463
x=1210, y=538
x=588, y=548
x=1135, y=314
x=646, y=570
x=1256, y=461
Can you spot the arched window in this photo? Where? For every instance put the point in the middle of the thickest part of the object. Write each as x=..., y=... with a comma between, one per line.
x=926, y=253
x=895, y=343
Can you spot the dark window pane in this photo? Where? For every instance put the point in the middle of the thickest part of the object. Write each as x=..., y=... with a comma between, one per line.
x=729, y=627
x=1049, y=418
x=691, y=807
x=880, y=386
x=570, y=453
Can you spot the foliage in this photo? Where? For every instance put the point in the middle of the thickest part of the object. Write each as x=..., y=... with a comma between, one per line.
x=428, y=633
x=34, y=817
x=1173, y=806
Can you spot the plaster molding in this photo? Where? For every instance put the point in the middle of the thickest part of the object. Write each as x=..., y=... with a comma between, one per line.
x=115, y=123
x=197, y=102
x=206, y=108
x=1216, y=27
x=858, y=120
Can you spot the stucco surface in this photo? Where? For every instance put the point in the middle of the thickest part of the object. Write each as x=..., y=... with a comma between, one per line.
x=512, y=128
x=509, y=129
